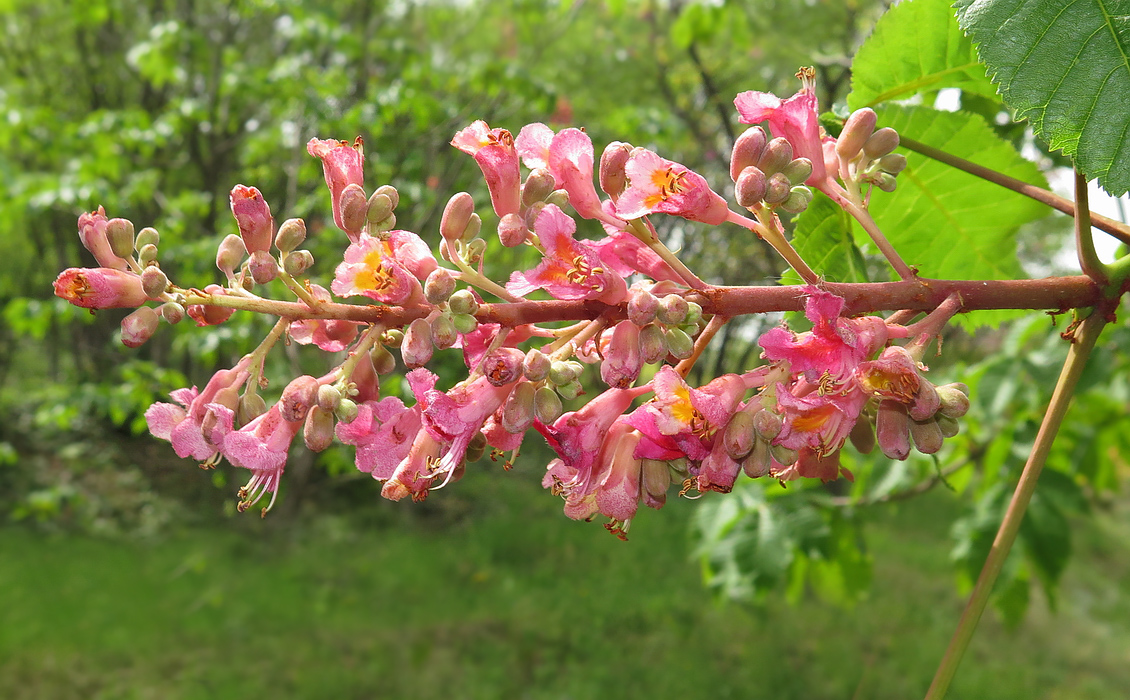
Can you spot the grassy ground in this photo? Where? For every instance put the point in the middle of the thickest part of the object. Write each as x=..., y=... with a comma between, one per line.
x=499, y=596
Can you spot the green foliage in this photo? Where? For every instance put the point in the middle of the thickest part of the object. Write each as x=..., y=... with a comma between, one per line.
x=1067, y=70
x=823, y=237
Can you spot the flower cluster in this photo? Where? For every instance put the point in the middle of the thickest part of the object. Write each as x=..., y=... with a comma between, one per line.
x=641, y=324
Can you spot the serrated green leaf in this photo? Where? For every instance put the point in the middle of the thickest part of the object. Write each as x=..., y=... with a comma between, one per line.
x=1065, y=67
x=916, y=46
x=823, y=238
x=947, y=223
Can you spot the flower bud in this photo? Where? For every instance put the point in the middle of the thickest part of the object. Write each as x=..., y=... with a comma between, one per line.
x=653, y=347
x=119, y=234
x=927, y=436
x=298, y=262
x=535, y=365
x=100, y=288
x=329, y=396
x=571, y=390
x=767, y=425
x=390, y=192
x=474, y=249
x=672, y=309
x=749, y=189
x=354, y=208
x=394, y=337
x=346, y=411
x=147, y=254
x=547, y=405
x=926, y=401
x=642, y=306
x=862, y=435
x=251, y=406
x=949, y=426
x=518, y=411
x=475, y=450
x=444, y=333
x=147, y=236
x=612, y=175
x=531, y=215
x=230, y=254
x=263, y=266
x=253, y=216
x=456, y=216
x=154, y=282
x=172, y=312
x=561, y=372
x=738, y=437
x=318, y=431
x=784, y=455
x=465, y=323
x=747, y=151
x=298, y=397
x=622, y=360
x=857, y=129
x=512, y=230
x=539, y=183
x=386, y=224
x=694, y=313
x=954, y=400
x=892, y=429
x=291, y=235
x=885, y=181
x=417, y=347
x=759, y=461
x=893, y=163
x=139, y=327
x=379, y=208
x=798, y=200
x=798, y=171
x=463, y=302
x=778, y=189
x=439, y=285
x=881, y=143
x=558, y=197
x=777, y=155
x=679, y=343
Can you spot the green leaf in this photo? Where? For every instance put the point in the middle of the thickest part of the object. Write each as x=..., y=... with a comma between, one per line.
x=823, y=238
x=1066, y=69
x=947, y=223
x=916, y=47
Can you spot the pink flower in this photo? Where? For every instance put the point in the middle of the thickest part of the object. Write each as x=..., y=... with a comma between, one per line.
x=382, y=432
x=627, y=255
x=183, y=425
x=382, y=269
x=493, y=150
x=532, y=145
x=571, y=164
x=660, y=185
x=571, y=269
x=331, y=335
x=342, y=166
x=261, y=446
x=92, y=233
x=818, y=421
x=100, y=288
x=253, y=216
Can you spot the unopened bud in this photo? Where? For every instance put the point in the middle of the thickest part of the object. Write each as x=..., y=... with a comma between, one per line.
x=390, y=192
x=778, y=189
x=471, y=235
x=653, y=347
x=798, y=170
x=386, y=224
x=949, y=426
x=444, y=333
x=474, y=249
x=512, y=230
x=881, y=143
x=298, y=397
x=538, y=185
x=954, y=400
x=777, y=155
x=119, y=234
x=738, y=437
x=394, y=337
x=290, y=235
x=767, y=425
x=263, y=266
x=927, y=436
x=561, y=372
x=154, y=282
x=318, y=430
x=535, y=366
x=672, y=309
x=379, y=208
x=798, y=200
x=251, y=406
x=784, y=455
x=547, y=405
x=749, y=189
x=622, y=360
x=463, y=302
x=465, y=323
x=892, y=429
x=139, y=327
x=531, y=216
x=439, y=285
x=230, y=254
x=329, y=396
x=612, y=175
x=346, y=411
x=475, y=449
x=747, y=150
x=558, y=197
x=147, y=236
x=518, y=412
x=694, y=313
x=354, y=208
x=926, y=402
x=759, y=461
x=417, y=347
x=679, y=343
x=862, y=435
x=885, y=181
x=857, y=129
x=147, y=254
x=298, y=262
x=383, y=361
x=893, y=163
x=456, y=215
x=642, y=306
x=172, y=312
x=571, y=390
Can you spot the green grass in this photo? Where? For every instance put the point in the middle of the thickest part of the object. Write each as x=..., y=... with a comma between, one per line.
x=500, y=596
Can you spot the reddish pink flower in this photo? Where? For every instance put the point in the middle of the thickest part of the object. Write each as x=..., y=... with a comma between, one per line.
x=100, y=288
x=92, y=233
x=261, y=446
x=331, y=335
x=382, y=432
x=532, y=145
x=571, y=164
x=796, y=119
x=253, y=216
x=571, y=269
x=656, y=184
x=818, y=421
x=183, y=425
x=493, y=150
x=342, y=166
x=379, y=269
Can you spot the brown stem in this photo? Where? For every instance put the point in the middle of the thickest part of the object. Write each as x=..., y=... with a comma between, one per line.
x=1117, y=229
x=700, y=344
